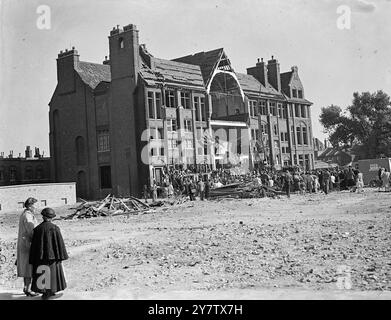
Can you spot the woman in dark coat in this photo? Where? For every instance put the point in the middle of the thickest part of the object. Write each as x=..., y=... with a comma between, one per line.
x=46, y=253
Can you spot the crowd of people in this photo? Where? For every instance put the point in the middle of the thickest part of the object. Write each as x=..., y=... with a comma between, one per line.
x=291, y=180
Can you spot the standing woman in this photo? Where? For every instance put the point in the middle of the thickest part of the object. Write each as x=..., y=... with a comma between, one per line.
x=27, y=223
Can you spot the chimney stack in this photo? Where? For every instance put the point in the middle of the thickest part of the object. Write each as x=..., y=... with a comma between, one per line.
x=259, y=72
x=273, y=72
x=67, y=62
x=28, y=152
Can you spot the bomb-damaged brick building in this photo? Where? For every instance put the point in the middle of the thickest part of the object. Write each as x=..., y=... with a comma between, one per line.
x=116, y=126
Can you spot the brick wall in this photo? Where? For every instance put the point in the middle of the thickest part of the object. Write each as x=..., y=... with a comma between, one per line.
x=47, y=194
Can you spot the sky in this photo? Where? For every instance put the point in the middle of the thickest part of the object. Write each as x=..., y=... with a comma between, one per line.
x=333, y=63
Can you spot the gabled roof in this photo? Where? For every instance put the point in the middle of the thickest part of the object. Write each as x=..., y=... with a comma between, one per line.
x=171, y=72
x=208, y=61
x=250, y=84
x=93, y=73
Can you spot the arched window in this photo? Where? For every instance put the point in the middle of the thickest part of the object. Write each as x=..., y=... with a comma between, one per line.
x=121, y=43
x=80, y=151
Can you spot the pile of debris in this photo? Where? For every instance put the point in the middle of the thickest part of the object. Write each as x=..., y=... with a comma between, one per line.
x=176, y=200
x=109, y=206
x=244, y=190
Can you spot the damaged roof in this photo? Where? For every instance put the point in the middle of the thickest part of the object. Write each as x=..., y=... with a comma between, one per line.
x=93, y=73
x=206, y=60
x=171, y=72
x=250, y=84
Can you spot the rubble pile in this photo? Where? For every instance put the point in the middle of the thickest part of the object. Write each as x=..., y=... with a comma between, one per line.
x=244, y=191
x=109, y=206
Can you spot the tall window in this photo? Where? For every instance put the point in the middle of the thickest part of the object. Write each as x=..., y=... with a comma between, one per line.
x=291, y=110
x=185, y=100
x=300, y=94
x=294, y=93
x=197, y=108
x=285, y=111
x=264, y=128
x=188, y=125
x=275, y=130
x=158, y=105
x=151, y=107
x=263, y=107
x=293, y=134
x=305, y=136
x=103, y=140
x=303, y=111
x=105, y=177
x=203, y=109
x=273, y=109
x=279, y=108
x=171, y=125
x=253, y=108
x=298, y=134
x=170, y=98
x=154, y=105
x=297, y=110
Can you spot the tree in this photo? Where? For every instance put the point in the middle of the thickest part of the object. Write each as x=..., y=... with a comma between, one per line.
x=365, y=126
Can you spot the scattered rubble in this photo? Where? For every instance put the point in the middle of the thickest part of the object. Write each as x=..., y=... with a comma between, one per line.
x=109, y=206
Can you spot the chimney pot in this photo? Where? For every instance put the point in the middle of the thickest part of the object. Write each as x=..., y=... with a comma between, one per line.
x=258, y=59
x=73, y=48
x=272, y=57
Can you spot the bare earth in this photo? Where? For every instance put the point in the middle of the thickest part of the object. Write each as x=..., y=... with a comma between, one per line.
x=309, y=247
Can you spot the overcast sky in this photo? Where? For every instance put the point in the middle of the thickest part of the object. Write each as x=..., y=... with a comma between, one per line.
x=332, y=63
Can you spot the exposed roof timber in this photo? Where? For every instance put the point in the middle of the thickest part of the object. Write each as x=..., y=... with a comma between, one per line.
x=233, y=75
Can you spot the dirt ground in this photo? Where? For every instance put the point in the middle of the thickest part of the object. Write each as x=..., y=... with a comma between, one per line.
x=336, y=246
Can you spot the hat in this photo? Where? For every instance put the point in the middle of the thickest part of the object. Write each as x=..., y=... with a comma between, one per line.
x=48, y=213
x=29, y=202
